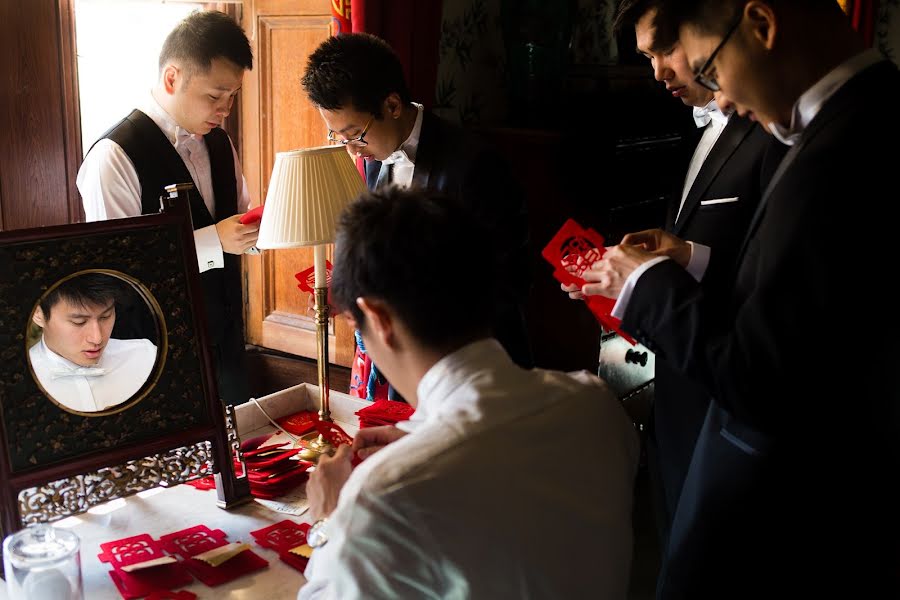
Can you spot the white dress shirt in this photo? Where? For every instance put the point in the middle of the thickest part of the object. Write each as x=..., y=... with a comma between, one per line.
x=110, y=188
x=810, y=102
x=123, y=368
x=713, y=122
x=514, y=484
x=403, y=160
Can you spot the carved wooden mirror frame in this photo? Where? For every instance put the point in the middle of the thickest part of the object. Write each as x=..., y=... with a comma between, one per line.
x=56, y=463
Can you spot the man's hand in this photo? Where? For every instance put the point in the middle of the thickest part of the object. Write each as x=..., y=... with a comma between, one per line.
x=234, y=237
x=370, y=440
x=324, y=485
x=573, y=290
x=660, y=243
x=607, y=276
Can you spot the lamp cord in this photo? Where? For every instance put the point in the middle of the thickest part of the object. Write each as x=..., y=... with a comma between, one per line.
x=293, y=437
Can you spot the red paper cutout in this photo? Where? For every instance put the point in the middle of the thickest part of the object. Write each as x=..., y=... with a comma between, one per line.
x=204, y=483
x=299, y=422
x=333, y=433
x=282, y=537
x=571, y=252
x=252, y=216
x=198, y=539
x=307, y=278
x=137, y=584
x=384, y=412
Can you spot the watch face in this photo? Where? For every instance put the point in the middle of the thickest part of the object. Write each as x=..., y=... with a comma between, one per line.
x=316, y=537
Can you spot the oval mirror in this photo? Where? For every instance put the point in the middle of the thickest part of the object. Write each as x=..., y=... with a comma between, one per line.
x=96, y=342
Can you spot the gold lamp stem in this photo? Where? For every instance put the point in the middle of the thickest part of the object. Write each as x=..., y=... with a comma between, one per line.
x=322, y=353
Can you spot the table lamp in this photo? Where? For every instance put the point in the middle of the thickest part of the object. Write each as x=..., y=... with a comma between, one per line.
x=307, y=192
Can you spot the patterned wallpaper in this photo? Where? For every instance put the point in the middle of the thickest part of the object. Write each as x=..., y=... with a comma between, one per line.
x=489, y=47
x=887, y=29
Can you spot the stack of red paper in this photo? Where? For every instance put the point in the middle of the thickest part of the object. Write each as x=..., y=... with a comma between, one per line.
x=384, y=412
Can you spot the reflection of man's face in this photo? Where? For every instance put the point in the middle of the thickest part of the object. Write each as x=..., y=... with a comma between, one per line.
x=76, y=332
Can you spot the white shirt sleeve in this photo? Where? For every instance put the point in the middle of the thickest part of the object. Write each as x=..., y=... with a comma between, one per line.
x=108, y=183
x=699, y=260
x=618, y=310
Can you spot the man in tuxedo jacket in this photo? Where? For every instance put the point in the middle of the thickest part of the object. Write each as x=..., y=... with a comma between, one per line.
x=357, y=83
x=176, y=137
x=729, y=168
x=793, y=483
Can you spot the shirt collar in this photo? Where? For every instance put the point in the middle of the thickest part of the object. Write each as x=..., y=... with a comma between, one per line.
x=437, y=391
x=409, y=148
x=811, y=101
x=172, y=130
x=60, y=361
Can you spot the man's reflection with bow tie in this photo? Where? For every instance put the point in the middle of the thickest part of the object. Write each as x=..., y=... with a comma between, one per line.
x=76, y=361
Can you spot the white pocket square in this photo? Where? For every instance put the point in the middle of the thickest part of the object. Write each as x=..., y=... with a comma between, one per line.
x=718, y=201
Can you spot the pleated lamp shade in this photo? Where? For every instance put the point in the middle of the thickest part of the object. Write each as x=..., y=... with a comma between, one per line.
x=308, y=190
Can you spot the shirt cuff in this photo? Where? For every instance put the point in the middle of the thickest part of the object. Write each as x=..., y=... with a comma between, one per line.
x=209, y=249
x=699, y=260
x=618, y=310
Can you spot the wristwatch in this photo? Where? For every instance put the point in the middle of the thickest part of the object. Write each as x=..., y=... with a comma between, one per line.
x=316, y=536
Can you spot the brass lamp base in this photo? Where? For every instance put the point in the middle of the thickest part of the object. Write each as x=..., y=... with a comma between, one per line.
x=314, y=446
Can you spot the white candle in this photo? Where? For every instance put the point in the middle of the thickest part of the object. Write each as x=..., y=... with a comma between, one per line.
x=321, y=275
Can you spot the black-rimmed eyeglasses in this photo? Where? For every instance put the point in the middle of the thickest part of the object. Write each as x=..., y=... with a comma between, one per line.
x=357, y=141
x=702, y=77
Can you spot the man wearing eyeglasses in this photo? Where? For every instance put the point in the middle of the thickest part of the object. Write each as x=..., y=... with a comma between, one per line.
x=729, y=168
x=356, y=81
x=792, y=490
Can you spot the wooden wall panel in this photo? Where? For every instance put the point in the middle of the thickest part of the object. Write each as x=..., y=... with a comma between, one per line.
x=277, y=117
x=39, y=128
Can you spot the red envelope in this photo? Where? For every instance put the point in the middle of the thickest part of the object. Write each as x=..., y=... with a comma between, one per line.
x=198, y=539
x=299, y=422
x=387, y=412
x=571, y=252
x=252, y=216
x=282, y=537
x=137, y=584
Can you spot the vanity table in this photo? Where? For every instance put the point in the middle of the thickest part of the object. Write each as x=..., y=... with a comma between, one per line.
x=164, y=510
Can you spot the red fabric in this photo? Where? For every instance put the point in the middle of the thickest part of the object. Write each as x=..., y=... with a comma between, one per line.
x=413, y=30
x=863, y=14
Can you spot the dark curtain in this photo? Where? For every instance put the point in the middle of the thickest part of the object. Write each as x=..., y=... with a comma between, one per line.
x=413, y=29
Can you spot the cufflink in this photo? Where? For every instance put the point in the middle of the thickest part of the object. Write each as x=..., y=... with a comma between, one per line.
x=252, y=250
x=210, y=264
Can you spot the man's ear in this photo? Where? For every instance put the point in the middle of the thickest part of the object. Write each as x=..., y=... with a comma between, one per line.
x=38, y=317
x=393, y=106
x=379, y=320
x=762, y=21
x=170, y=76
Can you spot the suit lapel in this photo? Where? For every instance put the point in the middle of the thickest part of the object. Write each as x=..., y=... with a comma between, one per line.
x=732, y=136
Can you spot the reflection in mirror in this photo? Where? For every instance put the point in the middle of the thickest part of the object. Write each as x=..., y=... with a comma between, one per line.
x=95, y=341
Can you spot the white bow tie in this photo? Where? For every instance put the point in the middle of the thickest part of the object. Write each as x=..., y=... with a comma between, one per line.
x=59, y=373
x=398, y=158
x=703, y=115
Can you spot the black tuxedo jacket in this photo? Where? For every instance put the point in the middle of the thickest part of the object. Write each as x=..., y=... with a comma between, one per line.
x=453, y=161
x=793, y=482
x=716, y=213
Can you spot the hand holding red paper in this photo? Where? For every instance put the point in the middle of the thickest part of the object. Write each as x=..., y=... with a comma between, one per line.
x=572, y=252
x=372, y=439
x=325, y=483
x=254, y=215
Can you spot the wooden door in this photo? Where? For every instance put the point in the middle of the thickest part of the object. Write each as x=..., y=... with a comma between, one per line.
x=276, y=116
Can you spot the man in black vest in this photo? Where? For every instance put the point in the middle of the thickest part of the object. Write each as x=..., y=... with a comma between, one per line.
x=176, y=137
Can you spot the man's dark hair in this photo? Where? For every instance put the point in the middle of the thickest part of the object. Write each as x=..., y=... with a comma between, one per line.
x=354, y=70
x=203, y=36
x=90, y=289
x=424, y=255
x=629, y=12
